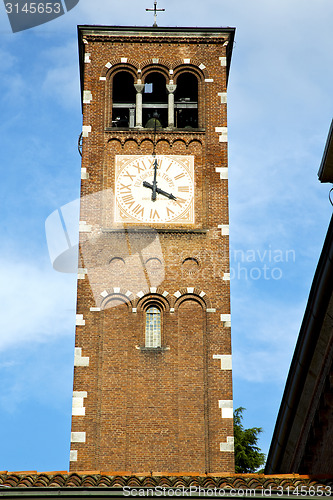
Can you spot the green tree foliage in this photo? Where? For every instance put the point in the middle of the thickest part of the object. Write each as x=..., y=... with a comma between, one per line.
x=248, y=456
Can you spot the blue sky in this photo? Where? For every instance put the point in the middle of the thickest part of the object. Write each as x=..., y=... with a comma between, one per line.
x=279, y=112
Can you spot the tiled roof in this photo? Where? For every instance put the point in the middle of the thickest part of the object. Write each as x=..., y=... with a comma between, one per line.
x=98, y=479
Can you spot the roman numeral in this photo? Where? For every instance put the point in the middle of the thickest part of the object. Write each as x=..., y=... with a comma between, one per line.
x=140, y=169
x=179, y=176
x=128, y=200
x=138, y=209
x=127, y=189
x=180, y=201
x=153, y=214
x=169, y=211
x=184, y=189
x=130, y=176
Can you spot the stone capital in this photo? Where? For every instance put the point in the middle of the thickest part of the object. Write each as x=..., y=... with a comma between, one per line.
x=139, y=87
x=171, y=88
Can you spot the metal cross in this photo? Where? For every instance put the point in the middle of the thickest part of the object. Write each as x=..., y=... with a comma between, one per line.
x=155, y=10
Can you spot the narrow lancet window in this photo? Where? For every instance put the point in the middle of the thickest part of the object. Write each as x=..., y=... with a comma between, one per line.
x=153, y=327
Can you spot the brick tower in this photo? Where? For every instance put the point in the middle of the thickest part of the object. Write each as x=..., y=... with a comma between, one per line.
x=152, y=376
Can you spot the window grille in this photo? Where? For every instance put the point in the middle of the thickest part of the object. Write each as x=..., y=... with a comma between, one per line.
x=153, y=327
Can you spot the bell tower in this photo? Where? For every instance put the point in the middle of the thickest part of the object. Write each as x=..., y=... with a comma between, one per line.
x=152, y=375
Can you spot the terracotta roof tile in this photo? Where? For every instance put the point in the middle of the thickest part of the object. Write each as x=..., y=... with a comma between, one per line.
x=97, y=479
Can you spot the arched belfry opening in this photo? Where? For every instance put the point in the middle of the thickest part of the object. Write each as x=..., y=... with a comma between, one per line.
x=155, y=101
x=186, y=101
x=123, y=100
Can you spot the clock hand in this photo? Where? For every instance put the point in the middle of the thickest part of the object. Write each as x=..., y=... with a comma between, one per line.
x=159, y=191
x=153, y=194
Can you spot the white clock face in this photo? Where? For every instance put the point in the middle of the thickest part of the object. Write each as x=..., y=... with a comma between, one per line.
x=174, y=187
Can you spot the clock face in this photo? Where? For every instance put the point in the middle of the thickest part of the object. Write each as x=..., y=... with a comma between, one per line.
x=134, y=186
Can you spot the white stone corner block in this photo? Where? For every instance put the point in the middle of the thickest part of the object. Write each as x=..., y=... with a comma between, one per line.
x=79, y=320
x=226, y=360
x=209, y=80
x=210, y=310
x=116, y=290
x=190, y=290
x=128, y=293
x=80, y=360
x=86, y=129
x=226, y=320
x=102, y=78
x=224, y=229
x=78, y=408
x=223, y=97
x=225, y=317
x=84, y=173
x=108, y=65
x=95, y=309
x=202, y=294
x=223, y=131
x=123, y=60
x=202, y=66
x=84, y=227
x=134, y=309
x=104, y=294
x=81, y=273
x=165, y=293
x=153, y=289
x=187, y=61
x=223, y=61
x=87, y=57
x=80, y=394
x=226, y=406
x=229, y=445
x=156, y=60
x=177, y=294
x=171, y=72
x=78, y=412
x=140, y=294
x=78, y=437
x=226, y=276
x=172, y=309
x=223, y=171
x=87, y=97
x=73, y=456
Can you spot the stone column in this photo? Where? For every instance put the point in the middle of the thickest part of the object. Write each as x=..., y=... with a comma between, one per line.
x=139, y=89
x=171, y=104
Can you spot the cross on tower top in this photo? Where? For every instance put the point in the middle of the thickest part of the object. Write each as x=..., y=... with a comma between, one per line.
x=155, y=10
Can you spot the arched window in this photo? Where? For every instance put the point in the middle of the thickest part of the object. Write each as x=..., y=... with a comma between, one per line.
x=123, y=100
x=153, y=327
x=155, y=101
x=186, y=101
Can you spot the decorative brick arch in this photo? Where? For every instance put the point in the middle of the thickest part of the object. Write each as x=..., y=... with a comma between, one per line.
x=149, y=295
x=156, y=61
x=116, y=63
x=199, y=67
x=160, y=297
x=155, y=68
x=125, y=296
x=119, y=141
x=191, y=293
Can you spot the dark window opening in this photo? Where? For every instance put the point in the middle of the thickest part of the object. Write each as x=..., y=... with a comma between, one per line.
x=155, y=102
x=123, y=100
x=186, y=101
